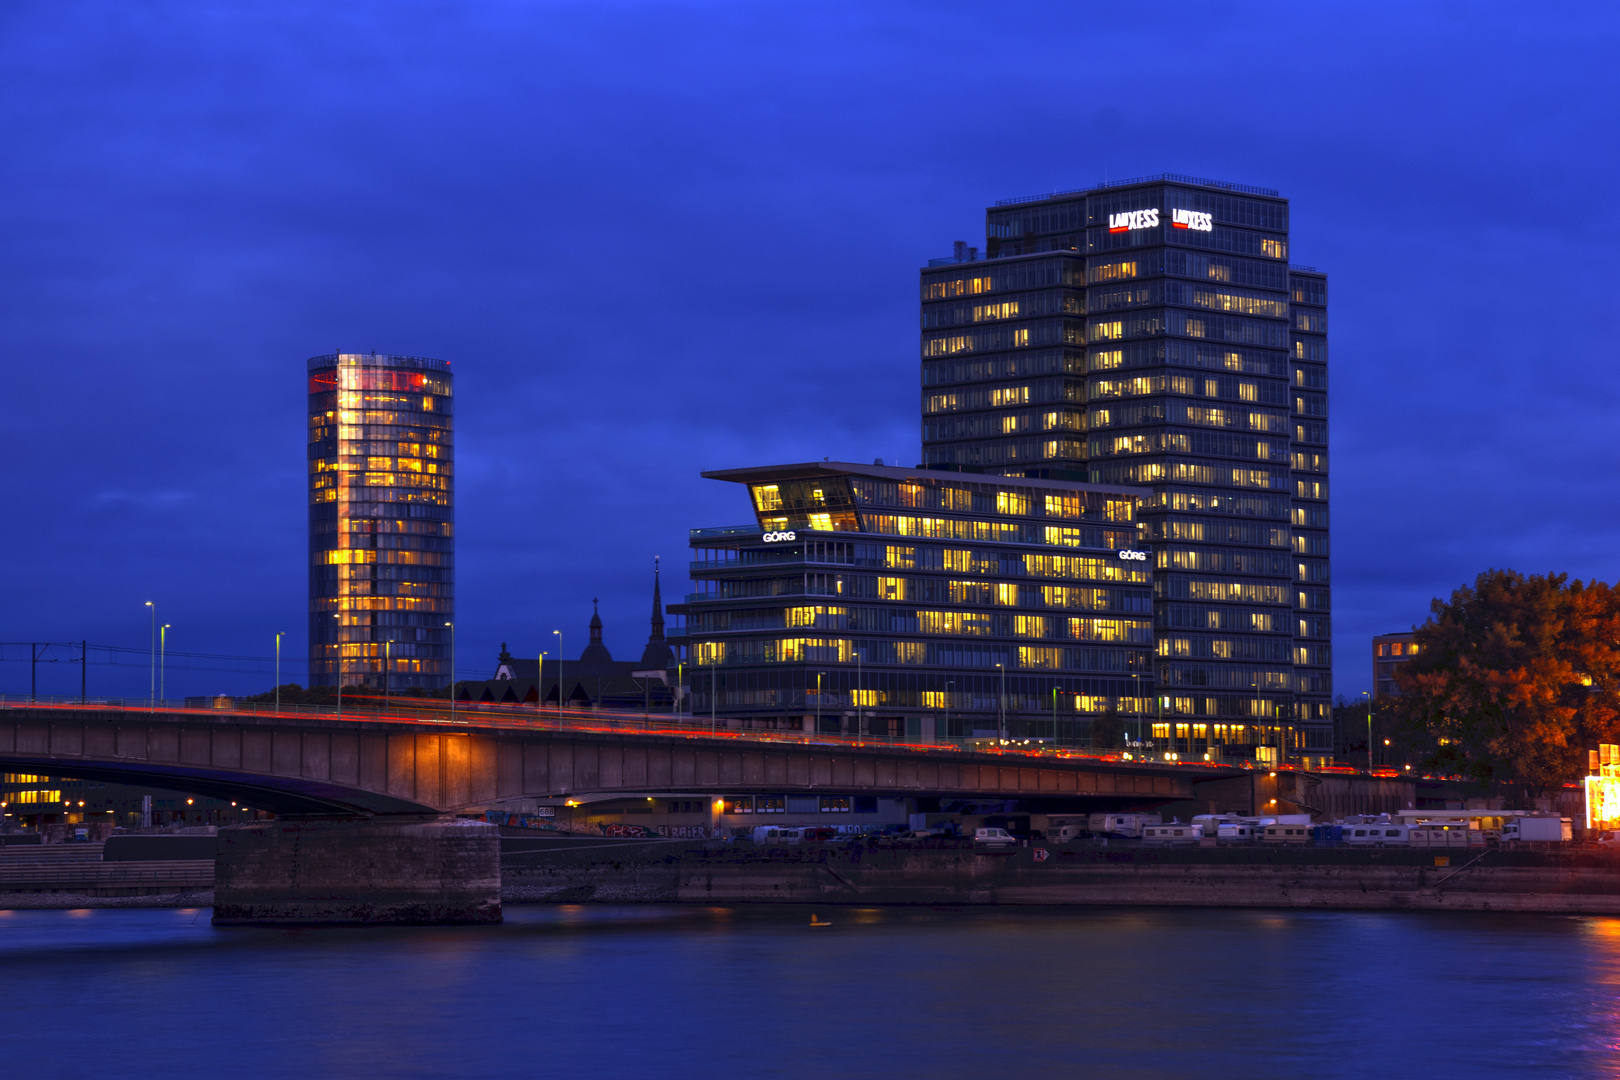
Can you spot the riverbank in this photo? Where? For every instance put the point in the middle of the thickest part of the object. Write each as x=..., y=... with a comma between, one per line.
x=1585, y=882
x=1562, y=881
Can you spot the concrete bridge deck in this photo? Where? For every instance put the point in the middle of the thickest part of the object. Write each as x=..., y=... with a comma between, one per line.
x=302, y=763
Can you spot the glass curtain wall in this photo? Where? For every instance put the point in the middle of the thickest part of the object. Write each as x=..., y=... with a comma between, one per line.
x=381, y=521
x=1152, y=333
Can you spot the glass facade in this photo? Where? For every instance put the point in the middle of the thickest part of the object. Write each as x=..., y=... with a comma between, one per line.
x=1154, y=333
x=381, y=521
x=917, y=604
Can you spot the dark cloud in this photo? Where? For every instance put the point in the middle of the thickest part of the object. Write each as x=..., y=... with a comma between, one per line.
x=660, y=238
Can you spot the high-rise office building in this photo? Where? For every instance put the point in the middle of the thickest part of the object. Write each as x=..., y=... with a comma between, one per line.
x=912, y=603
x=381, y=521
x=1153, y=332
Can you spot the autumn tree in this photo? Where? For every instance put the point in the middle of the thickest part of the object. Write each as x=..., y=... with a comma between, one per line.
x=1515, y=677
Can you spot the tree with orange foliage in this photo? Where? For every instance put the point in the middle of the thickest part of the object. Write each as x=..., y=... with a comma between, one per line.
x=1515, y=677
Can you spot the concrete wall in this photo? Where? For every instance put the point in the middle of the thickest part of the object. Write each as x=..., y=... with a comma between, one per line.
x=358, y=871
x=1302, y=878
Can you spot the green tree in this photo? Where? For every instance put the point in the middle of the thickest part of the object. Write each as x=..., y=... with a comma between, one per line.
x=1515, y=677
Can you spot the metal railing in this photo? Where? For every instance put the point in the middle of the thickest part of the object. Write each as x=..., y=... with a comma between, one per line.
x=529, y=717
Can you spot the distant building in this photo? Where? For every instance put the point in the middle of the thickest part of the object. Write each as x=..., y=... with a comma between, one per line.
x=1390, y=651
x=381, y=521
x=594, y=681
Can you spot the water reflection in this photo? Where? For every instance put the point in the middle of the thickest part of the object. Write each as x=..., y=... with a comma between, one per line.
x=762, y=992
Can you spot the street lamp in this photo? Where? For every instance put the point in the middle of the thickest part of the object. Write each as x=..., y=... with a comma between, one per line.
x=279, y=636
x=163, y=655
x=388, y=670
x=539, y=684
x=339, y=617
x=860, y=693
x=154, y=654
x=1368, y=696
x=950, y=688
x=559, y=677
x=819, y=674
x=452, y=627
x=1001, y=705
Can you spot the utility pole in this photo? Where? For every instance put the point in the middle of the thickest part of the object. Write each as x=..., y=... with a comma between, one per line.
x=84, y=664
x=33, y=671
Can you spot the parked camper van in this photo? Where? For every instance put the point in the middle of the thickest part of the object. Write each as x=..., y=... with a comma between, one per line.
x=1174, y=833
x=778, y=834
x=1063, y=828
x=1377, y=834
x=1286, y=833
x=1128, y=826
x=1237, y=832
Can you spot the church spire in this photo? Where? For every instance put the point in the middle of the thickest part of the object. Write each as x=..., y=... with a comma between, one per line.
x=657, y=656
x=658, y=609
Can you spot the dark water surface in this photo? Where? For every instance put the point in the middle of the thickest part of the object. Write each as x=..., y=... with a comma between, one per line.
x=745, y=993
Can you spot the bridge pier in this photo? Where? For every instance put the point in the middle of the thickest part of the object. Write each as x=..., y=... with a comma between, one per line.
x=358, y=871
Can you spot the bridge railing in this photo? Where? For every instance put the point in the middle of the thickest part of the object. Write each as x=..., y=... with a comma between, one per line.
x=487, y=715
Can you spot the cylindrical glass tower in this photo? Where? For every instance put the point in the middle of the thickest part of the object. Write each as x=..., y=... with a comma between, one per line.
x=381, y=521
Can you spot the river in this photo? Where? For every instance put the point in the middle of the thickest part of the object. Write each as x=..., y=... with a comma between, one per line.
x=749, y=993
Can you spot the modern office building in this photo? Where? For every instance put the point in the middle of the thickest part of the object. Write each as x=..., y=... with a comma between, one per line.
x=921, y=604
x=381, y=521
x=1390, y=651
x=1153, y=332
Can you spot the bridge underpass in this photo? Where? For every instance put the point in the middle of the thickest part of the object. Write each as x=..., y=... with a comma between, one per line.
x=362, y=831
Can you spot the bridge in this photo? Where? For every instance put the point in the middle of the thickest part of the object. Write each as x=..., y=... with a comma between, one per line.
x=360, y=798
x=301, y=764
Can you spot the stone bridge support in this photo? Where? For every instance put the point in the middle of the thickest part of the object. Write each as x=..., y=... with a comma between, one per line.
x=358, y=871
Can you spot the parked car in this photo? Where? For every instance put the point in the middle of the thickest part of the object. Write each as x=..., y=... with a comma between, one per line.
x=778, y=834
x=993, y=838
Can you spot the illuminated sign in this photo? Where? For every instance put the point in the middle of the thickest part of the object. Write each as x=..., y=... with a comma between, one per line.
x=1195, y=220
x=1603, y=788
x=1133, y=219
x=1192, y=219
x=1134, y=556
x=778, y=537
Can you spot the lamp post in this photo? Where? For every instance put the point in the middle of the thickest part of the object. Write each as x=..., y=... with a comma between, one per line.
x=680, y=687
x=819, y=674
x=559, y=678
x=163, y=658
x=452, y=627
x=339, y=617
x=1054, y=713
x=539, y=683
x=153, y=698
x=1368, y=696
x=950, y=688
x=388, y=670
x=1001, y=706
x=279, y=636
x=860, y=693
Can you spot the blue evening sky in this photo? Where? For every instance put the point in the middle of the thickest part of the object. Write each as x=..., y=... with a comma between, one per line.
x=660, y=238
